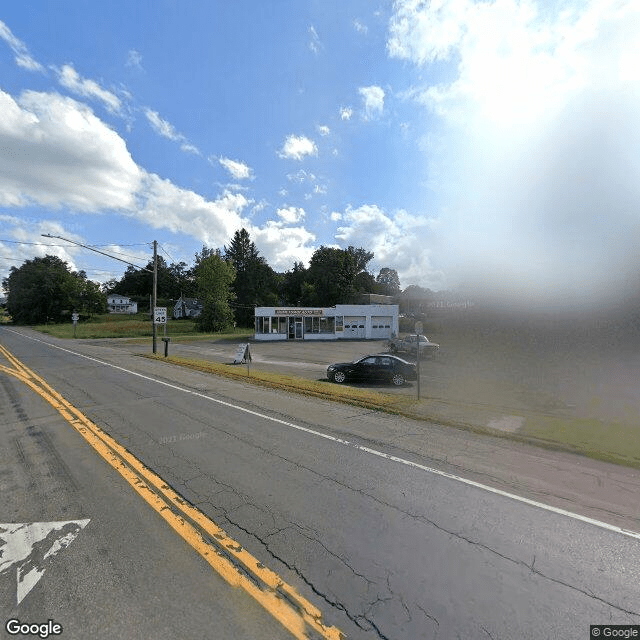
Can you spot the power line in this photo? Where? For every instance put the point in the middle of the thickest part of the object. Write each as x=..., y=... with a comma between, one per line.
x=168, y=255
x=111, y=244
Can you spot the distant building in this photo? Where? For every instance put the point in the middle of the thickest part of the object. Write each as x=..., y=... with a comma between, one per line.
x=187, y=308
x=121, y=304
x=344, y=321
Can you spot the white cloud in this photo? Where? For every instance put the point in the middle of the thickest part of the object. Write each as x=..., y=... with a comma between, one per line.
x=134, y=60
x=297, y=147
x=291, y=215
x=164, y=205
x=162, y=127
x=538, y=153
x=165, y=129
x=346, y=113
x=237, y=169
x=359, y=27
x=323, y=130
x=55, y=152
x=282, y=246
x=71, y=79
x=398, y=240
x=22, y=56
x=301, y=176
x=373, y=99
x=315, y=43
x=17, y=231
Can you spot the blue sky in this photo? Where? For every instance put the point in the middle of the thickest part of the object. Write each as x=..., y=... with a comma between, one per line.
x=461, y=142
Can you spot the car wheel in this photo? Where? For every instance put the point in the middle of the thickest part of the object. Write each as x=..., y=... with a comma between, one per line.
x=397, y=379
x=339, y=377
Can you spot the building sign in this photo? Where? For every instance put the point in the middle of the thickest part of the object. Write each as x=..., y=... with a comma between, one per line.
x=299, y=312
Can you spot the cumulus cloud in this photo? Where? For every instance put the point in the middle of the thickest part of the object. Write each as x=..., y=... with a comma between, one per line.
x=373, y=101
x=164, y=205
x=323, y=130
x=239, y=170
x=297, y=147
x=397, y=239
x=281, y=245
x=23, y=241
x=291, y=215
x=346, y=113
x=71, y=79
x=22, y=56
x=538, y=154
x=55, y=152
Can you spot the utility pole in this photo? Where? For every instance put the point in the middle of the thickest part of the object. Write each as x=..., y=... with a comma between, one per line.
x=155, y=291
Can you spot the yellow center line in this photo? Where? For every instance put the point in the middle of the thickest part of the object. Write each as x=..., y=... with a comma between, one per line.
x=280, y=599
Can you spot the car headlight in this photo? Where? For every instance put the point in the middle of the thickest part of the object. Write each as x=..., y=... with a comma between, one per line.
x=330, y=368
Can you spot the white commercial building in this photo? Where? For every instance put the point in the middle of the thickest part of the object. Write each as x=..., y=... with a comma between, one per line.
x=344, y=321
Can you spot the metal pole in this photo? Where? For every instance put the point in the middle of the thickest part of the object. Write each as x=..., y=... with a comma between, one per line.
x=155, y=291
x=418, y=361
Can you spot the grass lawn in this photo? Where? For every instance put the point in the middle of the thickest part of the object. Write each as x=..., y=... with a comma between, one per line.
x=130, y=326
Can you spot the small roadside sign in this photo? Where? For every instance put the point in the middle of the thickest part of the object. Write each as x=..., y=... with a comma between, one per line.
x=418, y=327
x=75, y=317
x=160, y=315
x=243, y=354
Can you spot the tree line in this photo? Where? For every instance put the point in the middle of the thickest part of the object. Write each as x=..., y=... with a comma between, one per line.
x=230, y=283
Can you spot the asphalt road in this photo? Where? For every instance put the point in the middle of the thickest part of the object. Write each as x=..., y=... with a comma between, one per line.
x=385, y=547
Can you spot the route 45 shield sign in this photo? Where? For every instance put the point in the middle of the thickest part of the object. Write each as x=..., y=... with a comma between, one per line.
x=160, y=315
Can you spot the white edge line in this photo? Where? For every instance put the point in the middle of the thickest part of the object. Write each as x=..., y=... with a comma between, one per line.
x=347, y=443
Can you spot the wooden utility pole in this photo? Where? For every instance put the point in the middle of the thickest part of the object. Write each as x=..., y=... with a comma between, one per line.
x=155, y=291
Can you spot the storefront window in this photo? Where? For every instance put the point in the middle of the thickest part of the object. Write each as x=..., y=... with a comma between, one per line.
x=327, y=325
x=262, y=325
x=311, y=324
x=339, y=323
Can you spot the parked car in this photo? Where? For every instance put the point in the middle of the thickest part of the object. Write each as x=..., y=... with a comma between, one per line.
x=375, y=368
x=409, y=344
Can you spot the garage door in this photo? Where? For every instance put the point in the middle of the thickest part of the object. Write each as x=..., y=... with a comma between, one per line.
x=354, y=327
x=381, y=327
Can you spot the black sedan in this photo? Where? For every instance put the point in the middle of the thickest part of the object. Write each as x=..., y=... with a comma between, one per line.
x=374, y=368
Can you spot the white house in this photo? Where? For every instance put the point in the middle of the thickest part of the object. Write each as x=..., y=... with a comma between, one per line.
x=344, y=321
x=121, y=304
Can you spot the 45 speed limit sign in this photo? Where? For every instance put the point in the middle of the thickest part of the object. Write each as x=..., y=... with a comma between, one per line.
x=160, y=315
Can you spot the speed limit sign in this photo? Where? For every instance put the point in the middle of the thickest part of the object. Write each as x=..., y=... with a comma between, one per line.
x=160, y=315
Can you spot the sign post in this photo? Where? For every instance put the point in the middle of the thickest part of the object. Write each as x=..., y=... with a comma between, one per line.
x=418, y=328
x=75, y=317
x=160, y=317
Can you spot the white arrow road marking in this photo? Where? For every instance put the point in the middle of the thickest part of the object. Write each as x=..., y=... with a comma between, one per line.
x=32, y=546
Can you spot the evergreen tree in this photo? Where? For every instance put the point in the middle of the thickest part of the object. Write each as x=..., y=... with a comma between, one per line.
x=255, y=282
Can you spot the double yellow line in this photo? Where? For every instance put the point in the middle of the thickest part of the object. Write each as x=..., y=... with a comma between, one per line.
x=236, y=565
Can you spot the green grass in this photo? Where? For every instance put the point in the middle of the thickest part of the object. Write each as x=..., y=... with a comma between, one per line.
x=133, y=326
x=610, y=441
x=390, y=403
